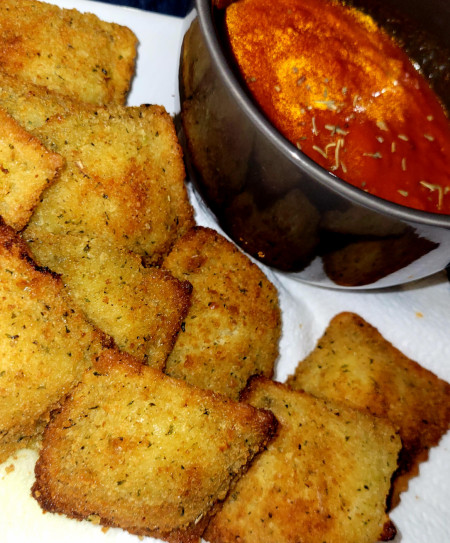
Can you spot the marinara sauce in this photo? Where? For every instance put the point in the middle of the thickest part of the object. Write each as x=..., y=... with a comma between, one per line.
x=339, y=88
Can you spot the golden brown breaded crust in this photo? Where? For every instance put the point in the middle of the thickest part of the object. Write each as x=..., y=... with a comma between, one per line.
x=325, y=477
x=67, y=51
x=26, y=169
x=124, y=180
x=354, y=364
x=145, y=452
x=141, y=308
x=31, y=105
x=232, y=329
x=45, y=344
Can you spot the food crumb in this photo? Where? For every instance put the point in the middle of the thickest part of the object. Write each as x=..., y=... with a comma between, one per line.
x=10, y=468
x=419, y=314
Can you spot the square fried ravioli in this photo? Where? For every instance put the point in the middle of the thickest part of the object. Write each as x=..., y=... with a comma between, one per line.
x=140, y=308
x=232, y=329
x=45, y=344
x=354, y=364
x=145, y=452
x=26, y=169
x=325, y=476
x=31, y=105
x=123, y=182
x=67, y=51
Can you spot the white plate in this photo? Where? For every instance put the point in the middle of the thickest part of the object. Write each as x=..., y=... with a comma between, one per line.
x=416, y=318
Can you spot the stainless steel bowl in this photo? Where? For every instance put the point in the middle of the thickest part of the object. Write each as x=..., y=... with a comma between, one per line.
x=279, y=205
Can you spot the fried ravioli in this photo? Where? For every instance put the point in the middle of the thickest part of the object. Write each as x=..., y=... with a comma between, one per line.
x=26, y=169
x=222, y=174
x=140, y=308
x=31, y=105
x=145, y=452
x=124, y=180
x=325, y=477
x=232, y=329
x=45, y=344
x=354, y=364
x=67, y=51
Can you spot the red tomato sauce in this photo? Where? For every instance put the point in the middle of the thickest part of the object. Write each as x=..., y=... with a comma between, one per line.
x=340, y=89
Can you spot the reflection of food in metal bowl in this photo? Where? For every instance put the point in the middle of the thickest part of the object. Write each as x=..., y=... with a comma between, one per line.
x=363, y=262
x=252, y=177
x=357, y=222
x=361, y=248
x=278, y=229
x=209, y=130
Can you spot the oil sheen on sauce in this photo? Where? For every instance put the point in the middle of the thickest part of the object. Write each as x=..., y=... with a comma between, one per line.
x=341, y=90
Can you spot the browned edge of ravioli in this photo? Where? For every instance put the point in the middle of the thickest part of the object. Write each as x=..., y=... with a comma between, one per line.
x=26, y=169
x=141, y=308
x=258, y=427
x=45, y=344
x=134, y=197
x=381, y=380
x=66, y=50
x=325, y=476
x=31, y=105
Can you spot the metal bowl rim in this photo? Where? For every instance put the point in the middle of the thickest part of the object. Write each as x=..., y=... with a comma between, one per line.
x=324, y=177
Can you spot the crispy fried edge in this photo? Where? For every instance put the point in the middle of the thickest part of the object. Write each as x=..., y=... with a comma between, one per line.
x=19, y=216
x=107, y=360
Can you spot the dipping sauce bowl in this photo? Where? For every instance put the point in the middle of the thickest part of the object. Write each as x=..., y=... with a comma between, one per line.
x=278, y=204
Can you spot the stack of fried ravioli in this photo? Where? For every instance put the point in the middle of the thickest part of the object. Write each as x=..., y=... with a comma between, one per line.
x=92, y=200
